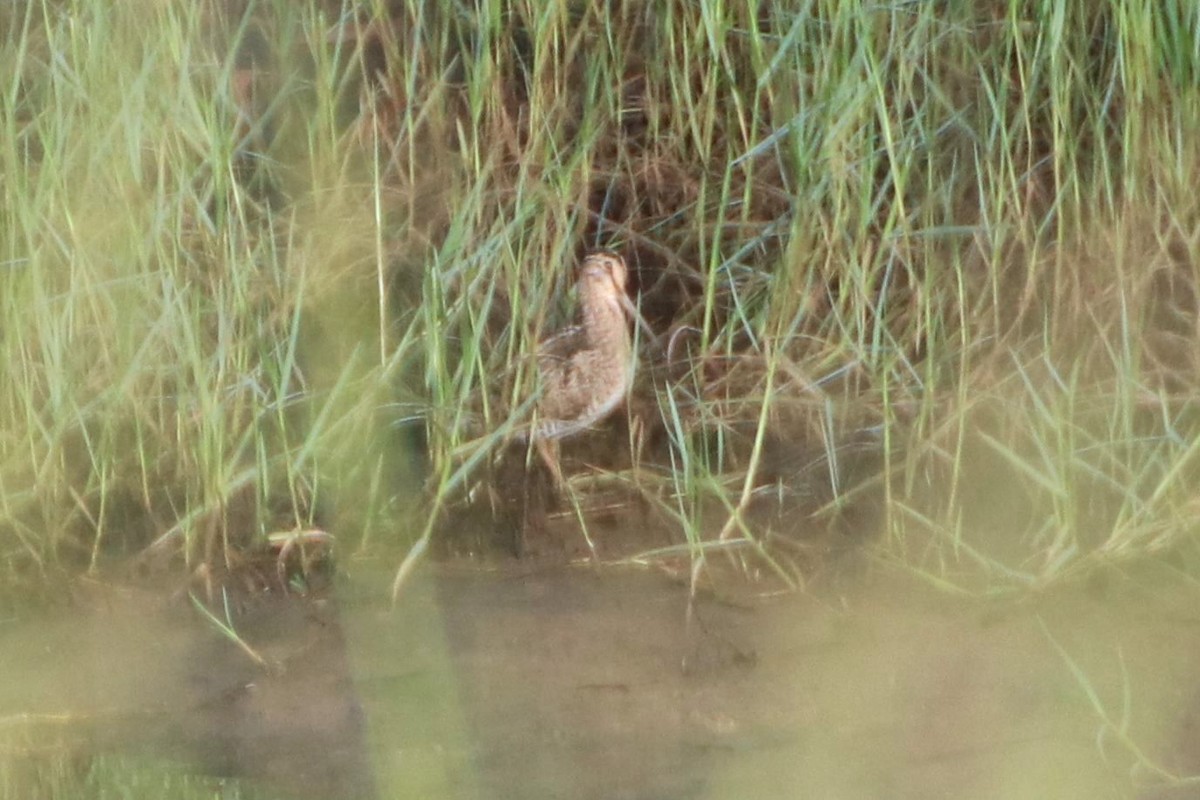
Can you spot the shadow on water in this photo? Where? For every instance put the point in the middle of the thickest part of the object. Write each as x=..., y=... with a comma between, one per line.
x=580, y=682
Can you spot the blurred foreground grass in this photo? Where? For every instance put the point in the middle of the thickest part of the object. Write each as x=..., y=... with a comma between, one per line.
x=100, y=778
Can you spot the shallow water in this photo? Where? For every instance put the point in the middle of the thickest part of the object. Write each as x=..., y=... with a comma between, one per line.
x=587, y=683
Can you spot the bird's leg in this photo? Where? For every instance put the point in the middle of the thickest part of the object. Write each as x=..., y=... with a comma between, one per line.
x=534, y=494
x=549, y=451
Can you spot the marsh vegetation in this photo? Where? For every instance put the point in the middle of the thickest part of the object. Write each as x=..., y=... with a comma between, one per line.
x=265, y=263
x=921, y=280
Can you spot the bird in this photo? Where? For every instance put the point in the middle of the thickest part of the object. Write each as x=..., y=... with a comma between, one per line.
x=585, y=370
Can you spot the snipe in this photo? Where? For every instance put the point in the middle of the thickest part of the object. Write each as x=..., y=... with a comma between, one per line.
x=585, y=370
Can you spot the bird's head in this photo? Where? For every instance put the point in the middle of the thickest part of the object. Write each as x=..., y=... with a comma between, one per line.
x=605, y=272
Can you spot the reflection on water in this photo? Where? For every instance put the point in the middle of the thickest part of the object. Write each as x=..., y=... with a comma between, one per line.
x=139, y=673
x=569, y=683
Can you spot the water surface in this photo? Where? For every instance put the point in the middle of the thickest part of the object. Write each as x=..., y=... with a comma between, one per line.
x=583, y=682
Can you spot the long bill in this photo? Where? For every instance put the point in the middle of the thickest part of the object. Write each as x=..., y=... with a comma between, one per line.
x=633, y=312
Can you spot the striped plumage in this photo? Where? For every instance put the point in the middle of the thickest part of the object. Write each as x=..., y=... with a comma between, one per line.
x=585, y=370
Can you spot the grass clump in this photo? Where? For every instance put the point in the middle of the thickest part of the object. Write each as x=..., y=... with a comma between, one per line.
x=268, y=265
